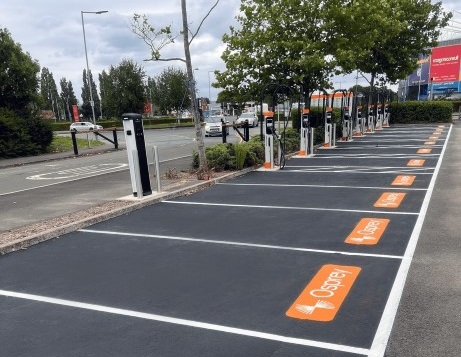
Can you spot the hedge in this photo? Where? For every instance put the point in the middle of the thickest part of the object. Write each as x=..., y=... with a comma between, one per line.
x=417, y=112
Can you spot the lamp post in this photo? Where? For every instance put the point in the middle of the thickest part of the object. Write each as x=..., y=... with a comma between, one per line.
x=209, y=86
x=86, y=56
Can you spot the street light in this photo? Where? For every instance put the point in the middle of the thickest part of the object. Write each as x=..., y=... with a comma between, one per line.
x=86, y=56
x=209, y=86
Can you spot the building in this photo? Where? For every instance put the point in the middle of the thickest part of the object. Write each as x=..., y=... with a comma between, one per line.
x=438, y=75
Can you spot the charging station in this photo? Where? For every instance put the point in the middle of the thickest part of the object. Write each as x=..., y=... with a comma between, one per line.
x=269, y=141
x=306, y=146
x=136, y=150
x=379, y=118
x=371, y=120
x=330, y=129
x=347, y=124
x=386, y=116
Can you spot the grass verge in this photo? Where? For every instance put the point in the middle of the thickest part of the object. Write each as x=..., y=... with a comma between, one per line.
x=63, y=143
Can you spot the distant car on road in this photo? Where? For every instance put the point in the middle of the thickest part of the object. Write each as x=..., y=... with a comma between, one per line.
x=213, y=125
x=251, y=117
x=84, y=126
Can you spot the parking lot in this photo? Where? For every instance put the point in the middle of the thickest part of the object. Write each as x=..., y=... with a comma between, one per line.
x=310, y=260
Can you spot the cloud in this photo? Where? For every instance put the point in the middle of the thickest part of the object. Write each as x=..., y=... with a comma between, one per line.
x=51, y=31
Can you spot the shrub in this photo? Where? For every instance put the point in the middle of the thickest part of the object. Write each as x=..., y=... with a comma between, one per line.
x=255, y=154
x=22, y=137
x=233, y=155
x=40, y=133
x=291, y=140
x=218, y=157
x=420, y=112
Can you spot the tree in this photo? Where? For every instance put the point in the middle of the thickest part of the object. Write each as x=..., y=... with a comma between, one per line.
x=278, y=42
x=22, y=131
x=123, y=89
x=389, y=38
x=18, y=77
x=169, y=90
x=157, y=39
x=306, y=42
x=49, y=93
x=87, y=110
x=68, y=97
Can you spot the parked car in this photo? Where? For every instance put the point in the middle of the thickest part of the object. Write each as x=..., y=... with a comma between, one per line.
x=84, y=126
x=213, y=126
x=251, y=117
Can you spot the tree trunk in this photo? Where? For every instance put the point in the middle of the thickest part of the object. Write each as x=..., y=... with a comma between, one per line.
x=203, y=167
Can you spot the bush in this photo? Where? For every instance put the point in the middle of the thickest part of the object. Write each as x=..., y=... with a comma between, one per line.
x=22, y=137
x=233, y=156
x=420, y=112
x=40, y=133
x=291, y=140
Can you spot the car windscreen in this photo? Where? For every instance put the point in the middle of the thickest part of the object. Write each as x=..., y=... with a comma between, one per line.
x=213, y=120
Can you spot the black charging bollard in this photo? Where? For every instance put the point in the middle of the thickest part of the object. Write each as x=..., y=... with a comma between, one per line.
x=134, y=135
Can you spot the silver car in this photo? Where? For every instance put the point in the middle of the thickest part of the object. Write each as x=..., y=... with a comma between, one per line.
x=213, y=126
x=251, y=117
x=84, y=126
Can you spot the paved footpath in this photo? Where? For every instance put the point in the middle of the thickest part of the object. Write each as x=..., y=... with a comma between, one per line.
x=311, y=260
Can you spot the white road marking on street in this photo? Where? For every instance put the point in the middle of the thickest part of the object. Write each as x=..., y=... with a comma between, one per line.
x=184, y=322
x=289, y=208
x=79, y=178
x=241, y=244
x=321, y=186
x=79, y=171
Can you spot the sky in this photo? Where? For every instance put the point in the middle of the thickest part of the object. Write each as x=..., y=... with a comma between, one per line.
x=51, y=32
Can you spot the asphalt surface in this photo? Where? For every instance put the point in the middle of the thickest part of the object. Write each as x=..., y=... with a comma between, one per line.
x=266, y=264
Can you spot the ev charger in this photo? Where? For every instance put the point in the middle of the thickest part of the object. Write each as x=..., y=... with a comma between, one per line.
x=269, y=141
x=347, y=125
x=371, y=121
x=307, y=135
x=359, y=124
x=386, y=117
x=136, y=150
x=379, y=118
x=328, y=128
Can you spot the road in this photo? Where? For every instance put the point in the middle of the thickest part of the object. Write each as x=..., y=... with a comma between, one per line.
x=39, y=191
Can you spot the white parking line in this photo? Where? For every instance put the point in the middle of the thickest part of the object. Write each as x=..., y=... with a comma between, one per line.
x=374, y=156
x=381, y=147
x=290, y=208
x=241, y=244
x=321, y=186
x=358, y=170
x=383, y=332
x=183, y=322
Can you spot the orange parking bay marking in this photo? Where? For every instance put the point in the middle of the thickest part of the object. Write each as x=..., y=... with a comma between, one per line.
x=416, y=162
x=390, y=200
x=433, y=137
x=403, y=180
x=429, y=143
x=368, y=231
x=323, y=296
x=424, y=151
